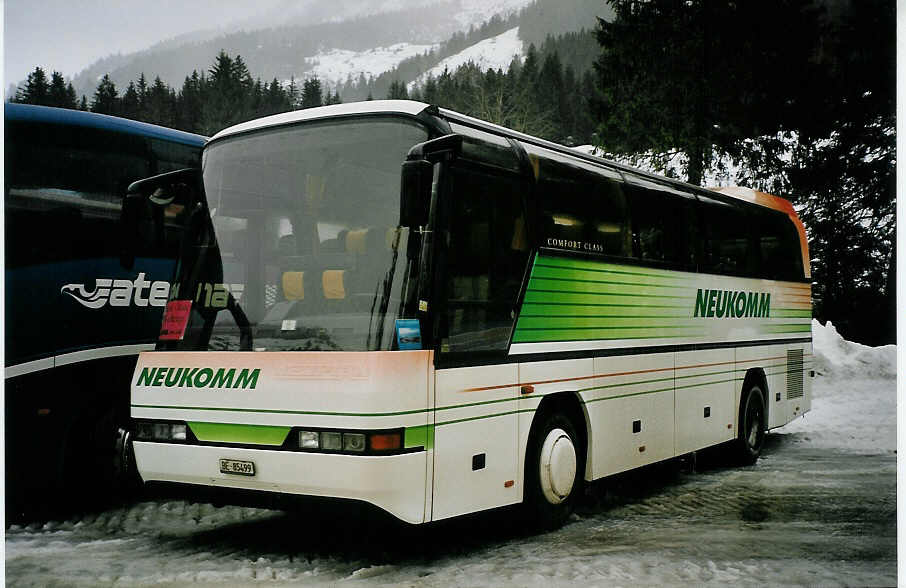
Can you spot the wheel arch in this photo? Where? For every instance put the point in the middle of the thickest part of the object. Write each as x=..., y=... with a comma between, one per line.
x=571, y=406
x=755, y=377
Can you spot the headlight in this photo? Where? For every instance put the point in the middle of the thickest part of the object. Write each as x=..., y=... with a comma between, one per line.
x=331, y=440
x=308, y=439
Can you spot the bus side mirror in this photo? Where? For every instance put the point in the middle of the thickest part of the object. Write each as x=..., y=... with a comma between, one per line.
x=143, y=207
x=418, y=177
x=415, y=192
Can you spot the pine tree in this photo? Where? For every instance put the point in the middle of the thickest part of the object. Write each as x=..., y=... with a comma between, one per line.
x=311, y=93
x=142, y=92
x=105, y=99
x=398, y=91
x=57, y=93
x=129, y=104
x=293, y=93
x=37, y=90
x=71, y=98
x=158, y=110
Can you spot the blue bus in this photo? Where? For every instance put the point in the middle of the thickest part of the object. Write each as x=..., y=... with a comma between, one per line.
x=81, y=297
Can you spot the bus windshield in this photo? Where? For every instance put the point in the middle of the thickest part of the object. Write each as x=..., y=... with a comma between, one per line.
x=300, y=248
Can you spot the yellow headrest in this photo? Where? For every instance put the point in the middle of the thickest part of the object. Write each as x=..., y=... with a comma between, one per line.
x=294, y=285
x=355, y=241
x=332, y=281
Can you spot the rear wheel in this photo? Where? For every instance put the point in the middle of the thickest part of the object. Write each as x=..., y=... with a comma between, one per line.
x=553, y=472
x=752, y=427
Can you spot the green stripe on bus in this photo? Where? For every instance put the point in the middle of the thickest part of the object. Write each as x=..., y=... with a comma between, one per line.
x=569, y=299
x=273, y=411
x=791, y=313
x=567, y=335
x=421, y=436
x=246, y=434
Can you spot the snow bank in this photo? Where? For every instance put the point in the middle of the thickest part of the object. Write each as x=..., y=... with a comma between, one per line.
x=854, y=400
x=835, y=356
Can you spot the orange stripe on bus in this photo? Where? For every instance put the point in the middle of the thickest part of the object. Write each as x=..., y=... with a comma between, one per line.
x=579, y=378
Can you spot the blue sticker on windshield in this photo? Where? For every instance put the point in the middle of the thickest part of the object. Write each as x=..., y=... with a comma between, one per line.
x=408, y=334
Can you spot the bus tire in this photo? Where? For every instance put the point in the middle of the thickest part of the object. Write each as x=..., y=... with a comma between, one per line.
x=752, y=426
x=553, y=472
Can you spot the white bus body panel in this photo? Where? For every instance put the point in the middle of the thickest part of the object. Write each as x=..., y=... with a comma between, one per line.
x=705, y=407
x=483, y=422
x=344, y=390
x=395, y=483
x=629, y=389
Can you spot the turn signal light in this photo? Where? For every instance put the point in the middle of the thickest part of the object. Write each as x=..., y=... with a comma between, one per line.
x=385, y=441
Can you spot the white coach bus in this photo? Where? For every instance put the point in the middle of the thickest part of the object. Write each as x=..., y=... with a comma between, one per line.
x=398, y=304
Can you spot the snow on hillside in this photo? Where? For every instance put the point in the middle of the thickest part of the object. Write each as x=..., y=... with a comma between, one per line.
x=337, y=65
x=494, y=53
x=854, y=404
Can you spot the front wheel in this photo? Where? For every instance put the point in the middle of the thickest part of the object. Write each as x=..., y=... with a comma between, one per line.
x=553, y=472
x=752, y=427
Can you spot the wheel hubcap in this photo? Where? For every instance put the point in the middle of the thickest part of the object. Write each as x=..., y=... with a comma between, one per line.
x=754, y=427
x=558, y=466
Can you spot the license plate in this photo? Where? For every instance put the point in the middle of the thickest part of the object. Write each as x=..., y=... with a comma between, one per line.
x=234, y=466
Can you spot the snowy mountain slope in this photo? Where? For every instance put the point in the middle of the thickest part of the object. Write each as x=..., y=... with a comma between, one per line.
x=287, y=38
x=335, y=66
x=494, y=53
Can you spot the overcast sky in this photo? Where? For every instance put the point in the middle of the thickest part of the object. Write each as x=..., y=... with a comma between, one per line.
x=69, y=35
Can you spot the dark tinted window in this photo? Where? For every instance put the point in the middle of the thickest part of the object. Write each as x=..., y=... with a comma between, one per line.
x=581, y=207
x=486, y=148
x=661, y=221
x=486, y=260
x=173, y=156
x=779, y=248
x=64, y=188
x=727, y=233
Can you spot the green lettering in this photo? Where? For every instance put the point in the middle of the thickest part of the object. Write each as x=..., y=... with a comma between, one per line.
x=721, y=306
x=764, y=309
x=159, y=377
x=752, y=304
x=223, y=378
x=145, y=378
x=186, y=380
x=247, y=379
x=701, y=304
x=739, y=305
x=204, y=376
x=175, y=380
x=711, y=300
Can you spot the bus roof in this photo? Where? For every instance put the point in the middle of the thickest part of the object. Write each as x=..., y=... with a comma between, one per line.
x=66, y=116
x=414, y=108
x=408, y=107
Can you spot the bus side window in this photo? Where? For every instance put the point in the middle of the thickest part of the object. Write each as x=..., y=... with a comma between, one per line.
x=728, y=247
x=57, y=176
x=582, y=207
x=486, y=258
x=779, y=249
x=661, y=226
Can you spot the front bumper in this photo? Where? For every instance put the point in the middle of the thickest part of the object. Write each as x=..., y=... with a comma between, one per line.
x=394, y=483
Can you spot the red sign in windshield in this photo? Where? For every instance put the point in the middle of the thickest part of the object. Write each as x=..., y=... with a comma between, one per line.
x=176, y=316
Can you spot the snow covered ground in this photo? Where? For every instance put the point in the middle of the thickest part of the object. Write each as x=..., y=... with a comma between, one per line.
x=819, y=508
x=494, y=53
